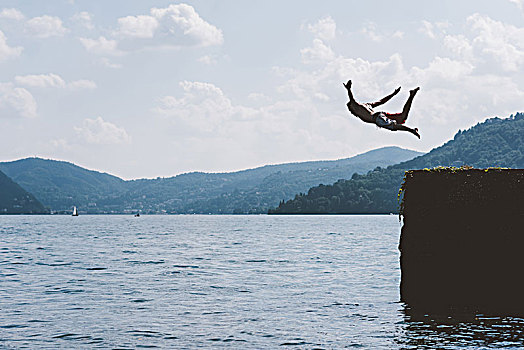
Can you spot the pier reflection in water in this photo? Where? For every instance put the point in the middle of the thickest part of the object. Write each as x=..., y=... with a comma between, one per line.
x=460, y=330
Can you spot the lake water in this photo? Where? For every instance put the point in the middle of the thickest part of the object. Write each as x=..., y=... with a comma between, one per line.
x=242, y=282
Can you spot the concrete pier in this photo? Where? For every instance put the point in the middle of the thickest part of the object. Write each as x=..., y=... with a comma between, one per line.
x=462, y=240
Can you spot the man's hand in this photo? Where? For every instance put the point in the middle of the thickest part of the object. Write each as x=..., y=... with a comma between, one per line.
x=347, y=85
x=397, y=90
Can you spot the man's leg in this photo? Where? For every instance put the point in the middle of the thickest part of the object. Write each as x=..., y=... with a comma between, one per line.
x=405, y=128
x=407, y=106
x=348, y=88
x=402, y=116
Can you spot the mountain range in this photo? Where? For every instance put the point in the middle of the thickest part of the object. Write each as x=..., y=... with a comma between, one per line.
x=60, y=185
x=494, y=143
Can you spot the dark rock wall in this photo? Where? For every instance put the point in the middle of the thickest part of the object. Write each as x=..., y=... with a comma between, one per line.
x=462, y=241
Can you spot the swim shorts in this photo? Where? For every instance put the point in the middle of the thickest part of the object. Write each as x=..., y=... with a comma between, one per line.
x=384, y=122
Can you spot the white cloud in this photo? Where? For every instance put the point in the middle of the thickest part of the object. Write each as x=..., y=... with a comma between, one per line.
x=175, y=26
x=460, y=46
x=12, y=13
x=319, y=52
x=328, y=78
x=16, y=101
x=107, y=63
x=371, y=32
x=427, y=29
x=443, y=69
x=137, y=26
x=60, y=144
x=494, y=44
x=206, y=120
x=435, y=29
x=52, y=80
x=82, y=84
x=398, y=34
x=98, y=131
x=503, y=42
x=101, y=46
x=443, y=26
x=203, y=105
x=324, y=29
x=209, y=60
x=257, y=97
x=41, y=80
x=321, y=96
x=182, y=23
x=6, y=51
x=519, y=3
x=454, y=97
x=45, y=27
x=85, y=19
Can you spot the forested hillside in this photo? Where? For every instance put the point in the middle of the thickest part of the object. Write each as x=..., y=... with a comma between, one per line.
x=60, y=185
x=493, y=143
x=15, y=200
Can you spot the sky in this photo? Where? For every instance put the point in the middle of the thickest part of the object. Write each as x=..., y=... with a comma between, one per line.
x=145, y=89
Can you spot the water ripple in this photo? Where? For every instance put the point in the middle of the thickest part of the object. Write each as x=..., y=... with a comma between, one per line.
x=241, y=282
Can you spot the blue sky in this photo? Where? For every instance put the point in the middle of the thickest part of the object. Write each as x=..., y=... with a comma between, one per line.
x=158, y=88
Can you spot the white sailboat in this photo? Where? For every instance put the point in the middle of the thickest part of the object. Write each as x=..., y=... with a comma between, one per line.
x=75, y=212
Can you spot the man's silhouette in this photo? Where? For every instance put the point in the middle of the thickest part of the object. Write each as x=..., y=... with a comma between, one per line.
x=389, y=121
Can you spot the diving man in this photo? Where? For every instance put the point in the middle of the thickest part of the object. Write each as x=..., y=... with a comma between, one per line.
x=389, y=121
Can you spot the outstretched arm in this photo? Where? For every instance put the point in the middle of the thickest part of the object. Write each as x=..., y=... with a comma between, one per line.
x=385, y=99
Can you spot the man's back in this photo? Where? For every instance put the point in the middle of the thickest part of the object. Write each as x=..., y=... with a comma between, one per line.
x=362, y=111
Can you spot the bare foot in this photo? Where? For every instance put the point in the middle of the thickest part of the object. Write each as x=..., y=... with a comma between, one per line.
x=414, y=91
x=416, y=133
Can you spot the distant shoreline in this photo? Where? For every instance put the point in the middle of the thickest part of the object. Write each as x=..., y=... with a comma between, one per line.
x=241, y=214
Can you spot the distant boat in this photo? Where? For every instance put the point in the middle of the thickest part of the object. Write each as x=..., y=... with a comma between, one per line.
x=75, y=212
